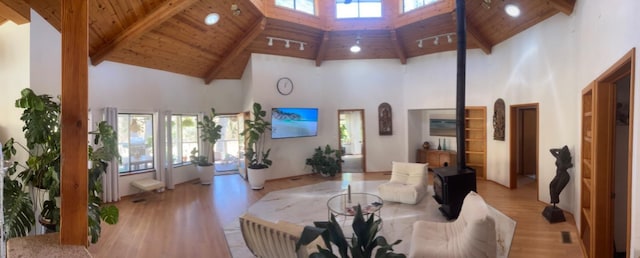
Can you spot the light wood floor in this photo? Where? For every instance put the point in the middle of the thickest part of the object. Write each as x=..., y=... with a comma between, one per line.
x=189, y=221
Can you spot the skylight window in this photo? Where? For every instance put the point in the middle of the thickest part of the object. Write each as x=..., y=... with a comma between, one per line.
x=409, y=5
x=358, y=9
x=305, y=6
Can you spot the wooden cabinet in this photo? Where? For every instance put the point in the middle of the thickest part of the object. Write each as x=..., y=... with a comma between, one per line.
x=436, y=158
x=476, y=139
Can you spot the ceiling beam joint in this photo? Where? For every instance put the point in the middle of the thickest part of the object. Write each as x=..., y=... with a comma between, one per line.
x=564, y=6
x=162, y=13
x=251, y=34
x=322, y=50
x=397, y=46
x=478, y=39
x=17, y=11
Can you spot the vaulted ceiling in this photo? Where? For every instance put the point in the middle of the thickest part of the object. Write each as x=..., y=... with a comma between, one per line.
x=170, y=35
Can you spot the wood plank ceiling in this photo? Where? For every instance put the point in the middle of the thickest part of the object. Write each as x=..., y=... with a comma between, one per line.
x=170, y=35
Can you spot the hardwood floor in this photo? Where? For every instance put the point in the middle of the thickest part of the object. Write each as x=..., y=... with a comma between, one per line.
x=188, y=221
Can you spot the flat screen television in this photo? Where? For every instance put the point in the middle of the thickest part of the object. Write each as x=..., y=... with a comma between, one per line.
x=294, y=122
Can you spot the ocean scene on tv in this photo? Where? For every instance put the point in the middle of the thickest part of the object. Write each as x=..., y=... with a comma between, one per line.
x=294, y=122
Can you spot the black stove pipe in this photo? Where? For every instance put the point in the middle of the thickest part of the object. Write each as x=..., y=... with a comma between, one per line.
x=460, y=85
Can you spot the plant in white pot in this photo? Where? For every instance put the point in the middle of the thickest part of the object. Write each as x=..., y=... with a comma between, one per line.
x=210, y=133
x=258, y=156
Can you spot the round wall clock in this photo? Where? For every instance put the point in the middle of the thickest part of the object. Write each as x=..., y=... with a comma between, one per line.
x=284, y=86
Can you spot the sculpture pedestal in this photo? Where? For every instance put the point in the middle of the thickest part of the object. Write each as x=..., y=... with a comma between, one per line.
x=553, y=214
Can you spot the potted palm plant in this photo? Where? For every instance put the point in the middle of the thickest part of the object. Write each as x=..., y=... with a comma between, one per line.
x=41, y=116
x=210, y=133
x=255, y=152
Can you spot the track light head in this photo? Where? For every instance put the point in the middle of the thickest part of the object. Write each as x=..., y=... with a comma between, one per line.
x=301, y=46
x=420, y=43
x=286, y=44
x=449, y=38
x=435, y=41
x=270, y=42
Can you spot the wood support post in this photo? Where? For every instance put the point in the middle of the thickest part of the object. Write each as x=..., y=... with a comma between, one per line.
x=74, y=175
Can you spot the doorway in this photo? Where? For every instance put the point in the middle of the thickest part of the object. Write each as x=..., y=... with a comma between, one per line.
x=524, y=146
x=227, y=156
x=351, y=140
x=607, y=121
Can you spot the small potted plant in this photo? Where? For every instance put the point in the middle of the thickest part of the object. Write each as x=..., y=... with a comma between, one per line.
x=255, y=150
x=210, y=133
x=325, y=162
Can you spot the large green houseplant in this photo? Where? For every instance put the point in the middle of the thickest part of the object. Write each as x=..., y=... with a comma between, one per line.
x=325, y=161
x=41, y=116
x=255, y=150
x=210, y=133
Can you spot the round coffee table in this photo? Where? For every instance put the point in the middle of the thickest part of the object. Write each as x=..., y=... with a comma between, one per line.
x=345, y=205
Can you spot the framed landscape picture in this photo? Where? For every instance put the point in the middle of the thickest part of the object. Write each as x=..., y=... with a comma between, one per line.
x=442, y=125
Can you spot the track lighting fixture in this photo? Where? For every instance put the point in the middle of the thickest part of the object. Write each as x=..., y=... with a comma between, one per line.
x=235, y=10
x=287, y=42
x=436, y=39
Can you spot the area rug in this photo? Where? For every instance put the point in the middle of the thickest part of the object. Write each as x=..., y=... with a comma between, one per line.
x=305, y=204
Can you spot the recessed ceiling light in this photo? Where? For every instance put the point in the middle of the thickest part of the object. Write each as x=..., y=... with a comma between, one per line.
x=211, y=19
x=512, y=10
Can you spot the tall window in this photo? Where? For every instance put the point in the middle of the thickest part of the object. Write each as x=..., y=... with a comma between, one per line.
x=184, y=135
x=409, y=5
x=359, y=8
x=305, y=6
x=135, y=142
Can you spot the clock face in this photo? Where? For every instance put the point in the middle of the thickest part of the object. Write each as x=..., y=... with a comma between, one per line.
x=284, y=86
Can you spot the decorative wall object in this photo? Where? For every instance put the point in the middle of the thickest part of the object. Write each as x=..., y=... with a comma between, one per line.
x=442, y=125
x=384, y=119
x=498, y=120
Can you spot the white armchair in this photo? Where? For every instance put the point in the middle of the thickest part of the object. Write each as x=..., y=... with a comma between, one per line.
x=473, y=234
x=267, y=239
x=408, y=183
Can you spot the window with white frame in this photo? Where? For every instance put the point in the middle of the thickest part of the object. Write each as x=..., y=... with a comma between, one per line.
x=408, y=5
x=305, y=6
x=135, y=142
x=184, y=137
x=358, y=9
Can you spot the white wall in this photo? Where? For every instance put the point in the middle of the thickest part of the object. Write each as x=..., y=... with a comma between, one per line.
x=332, y=86
x=14, y=74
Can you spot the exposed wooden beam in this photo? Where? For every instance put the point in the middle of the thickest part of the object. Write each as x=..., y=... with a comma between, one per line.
x=397, y=46
x=73, y=133
x=322, y=49
x=476, y=37
x=17, y=11
x=255, y=30
x=564, y=6
x=162, y=13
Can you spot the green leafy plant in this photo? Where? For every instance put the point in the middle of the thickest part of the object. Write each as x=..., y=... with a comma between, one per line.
x=363, y=242
x=255, y=134
x=41, y=116
x=344, y=134
x=325, y=161
x=210, y=133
